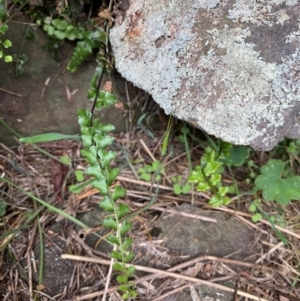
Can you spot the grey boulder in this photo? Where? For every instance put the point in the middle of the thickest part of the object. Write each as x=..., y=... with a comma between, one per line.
x=231, y=68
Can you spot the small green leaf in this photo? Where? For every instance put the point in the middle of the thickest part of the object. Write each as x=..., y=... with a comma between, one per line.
x=106, y=204
x=212, y=167
x=56, y=22
x=155, y=165
x=79, y=175
x=105, y=99
x=122, y=279
x=231, y=189
x=109, y=222
x=59, y=34
x=60, y=24
x=91, y=95
x=238, y=155
x=196, y=175
x=146, y=177
x=116, y=255
x=105, y=128
x=223, y=190
x=118, y=193
x=122, y=210
x=123, y=288
x=113, y=239
x=49, y=29
x=130, y=271
x=65, y=160
x=127, y=243
x=103, y=141
x=8, y=58
x=111, y=175
x=86, y=136
x=149, y=169
x=90, y=154
x=106, y=156
x=128, y=292
x=157, y=178
x=256, y=217
x=186, y=188
x=215, y=179
x=119, y=267
x=84, y=117
x=47, y=20
x=3, y=28
x=70, y=36
x=125, y=227
x=185, y=130
x=95, y=171
x=129, y=257
x=276, y=188
x=225, y=200
x=203, y=186
x=7, y=43
x=177, y=189
x=252, y=207
x=100, y=184
x=142, y=170
x=216, y=201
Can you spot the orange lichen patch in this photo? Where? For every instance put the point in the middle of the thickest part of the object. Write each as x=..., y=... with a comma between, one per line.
x=136, y=25
x=119, y=105
x=105, y=14
x=107, y=86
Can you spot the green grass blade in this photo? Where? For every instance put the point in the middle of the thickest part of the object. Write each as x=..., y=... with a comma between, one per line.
x=47, y=205
x=279, y=234
x=48, y=137
x=166, y=137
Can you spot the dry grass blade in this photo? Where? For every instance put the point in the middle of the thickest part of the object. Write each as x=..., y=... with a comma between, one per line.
x=161, y=273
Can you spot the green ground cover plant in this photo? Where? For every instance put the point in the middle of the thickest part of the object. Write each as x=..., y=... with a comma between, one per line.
x=89, y=36
x=95, y=141
x=4, y=44
x=147, y=172
x=208, y=175
x=276, y=185
x=180, y=187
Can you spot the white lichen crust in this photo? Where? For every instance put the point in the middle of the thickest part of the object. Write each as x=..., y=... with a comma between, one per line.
x=228, y=67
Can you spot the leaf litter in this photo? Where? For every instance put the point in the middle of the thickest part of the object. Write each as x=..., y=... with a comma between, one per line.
x=273, y=276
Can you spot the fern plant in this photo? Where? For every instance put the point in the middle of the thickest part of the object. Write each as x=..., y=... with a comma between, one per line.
x=87, y=39
x=95, y=141
x=5, y=44
x=208, y=175
x=3, y=29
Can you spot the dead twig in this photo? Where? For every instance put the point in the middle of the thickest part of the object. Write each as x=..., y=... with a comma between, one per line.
x=162, y=273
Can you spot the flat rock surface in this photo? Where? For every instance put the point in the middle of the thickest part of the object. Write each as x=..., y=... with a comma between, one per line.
x=193, y=237
x=229, y=67
x=180, y=235
x=45, y=97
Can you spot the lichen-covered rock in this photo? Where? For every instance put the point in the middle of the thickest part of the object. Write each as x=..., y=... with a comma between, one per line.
x=230, y=67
